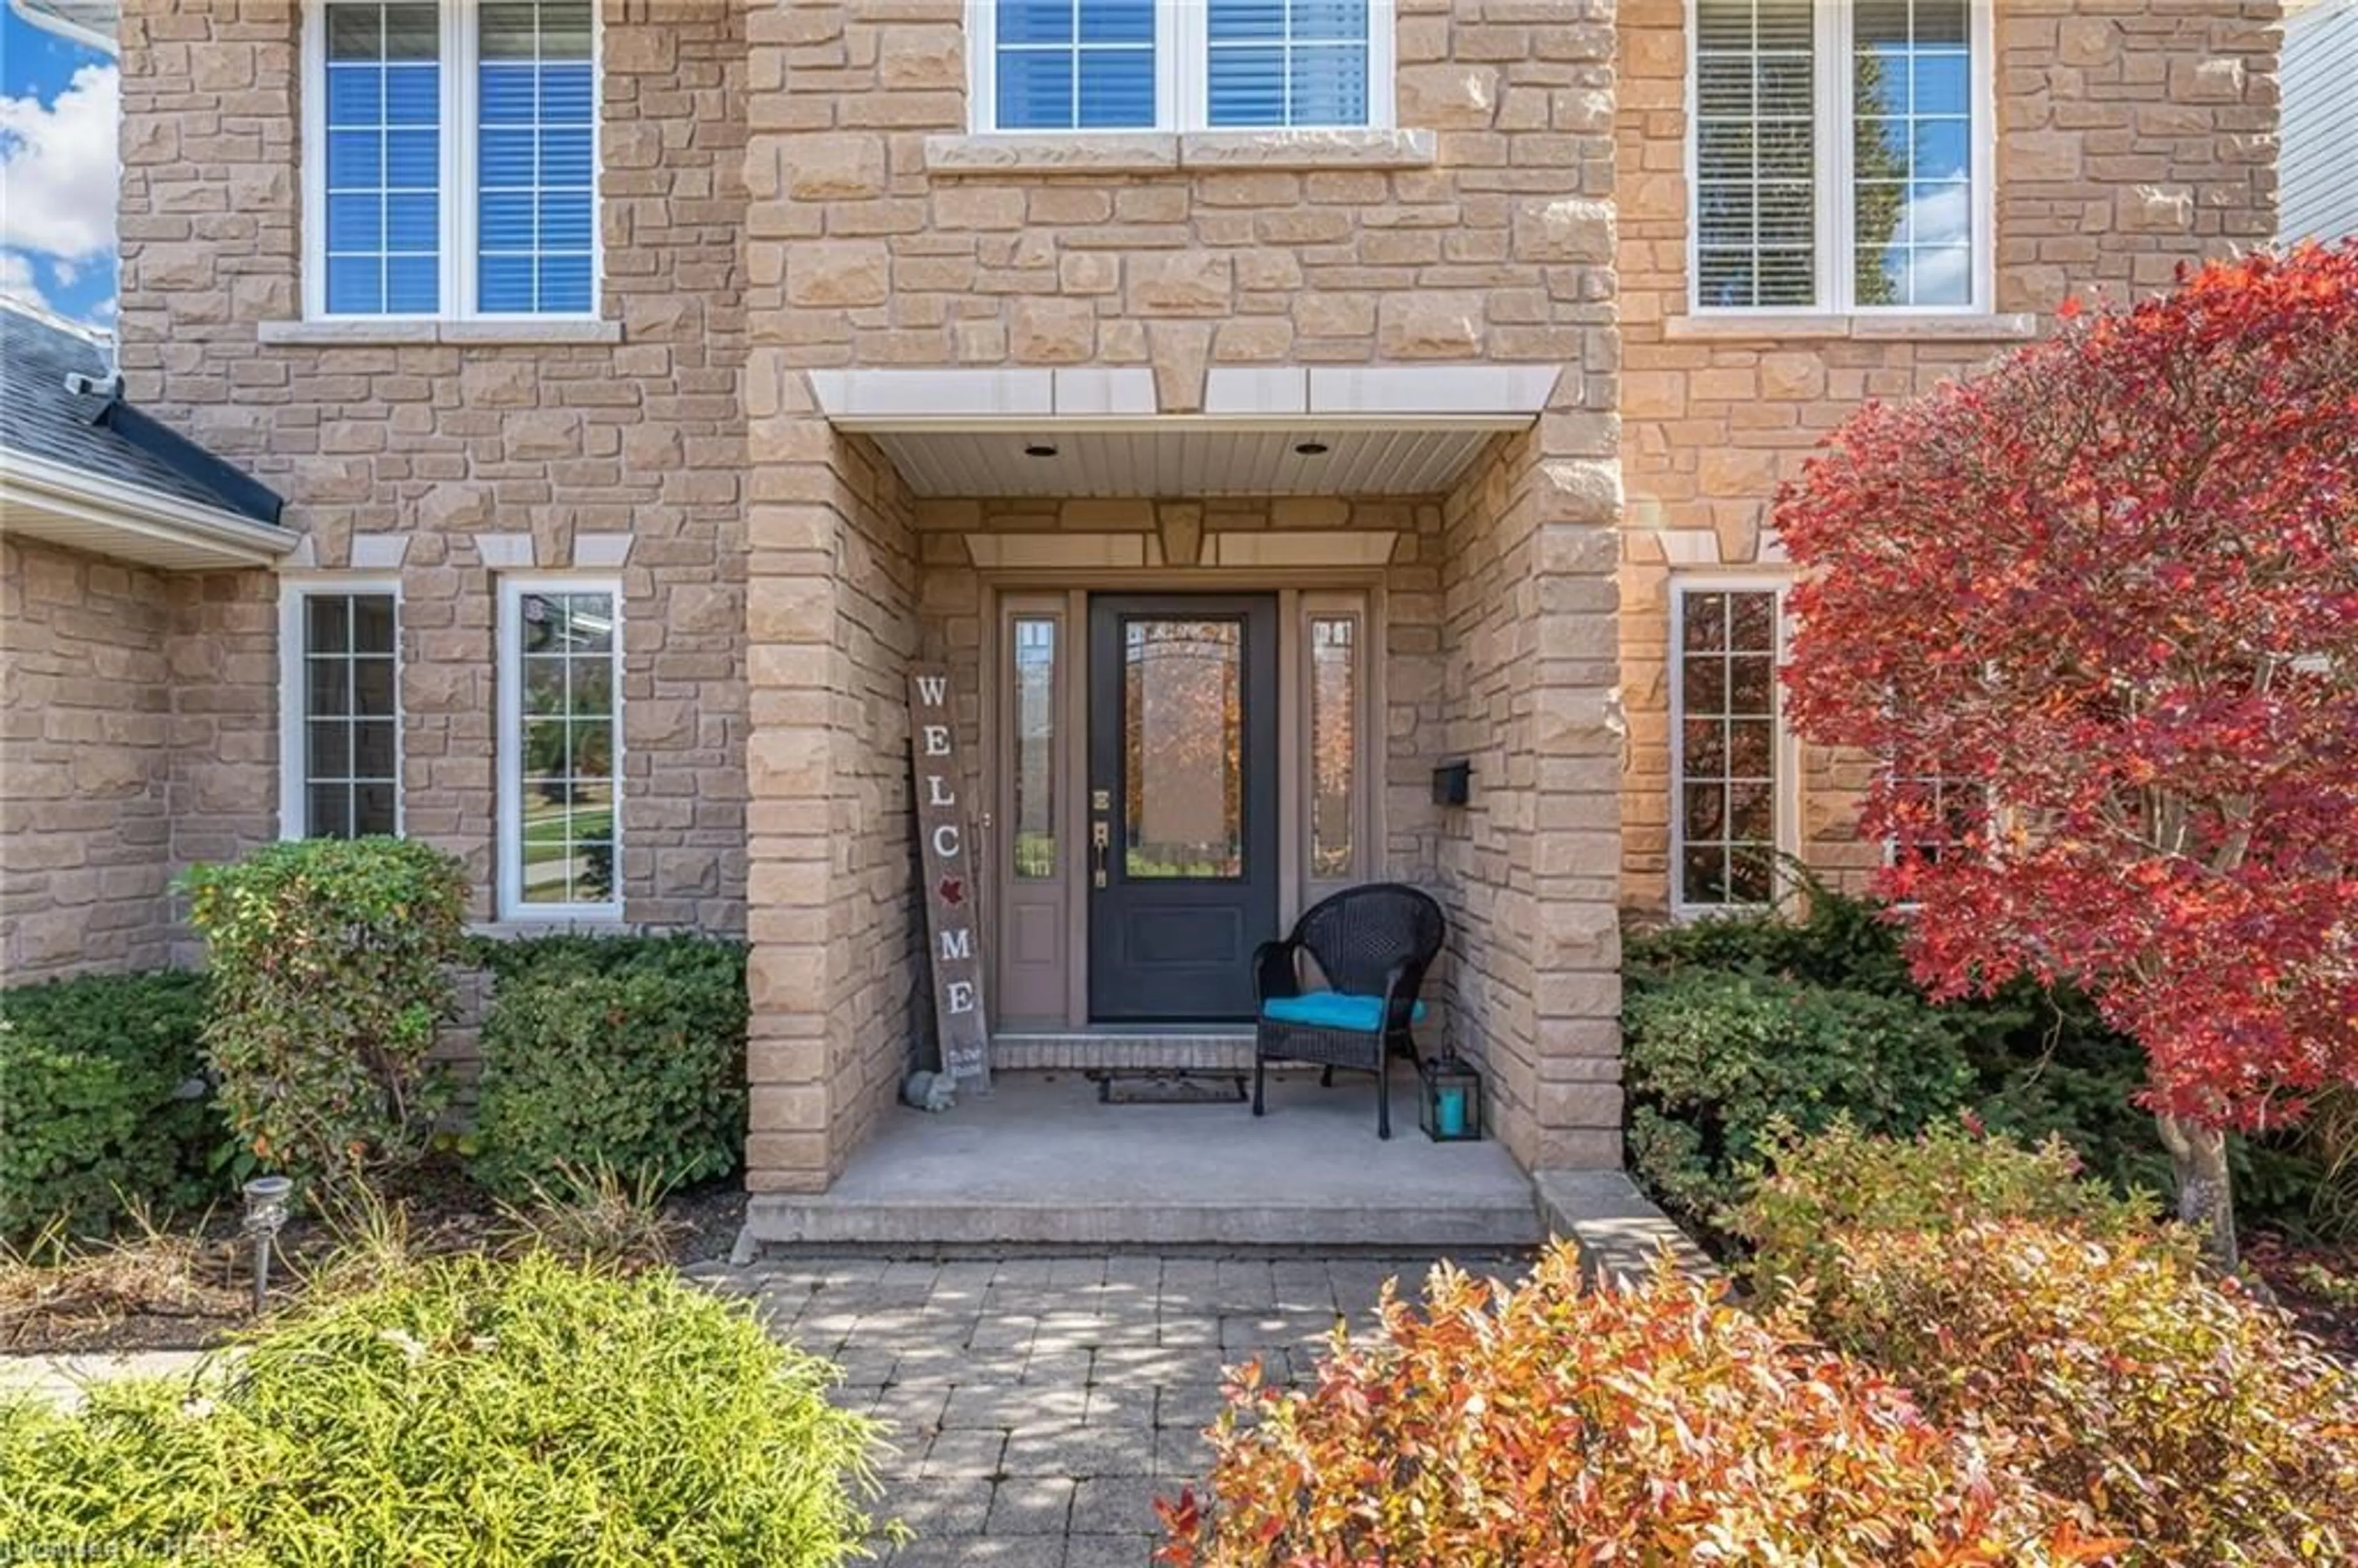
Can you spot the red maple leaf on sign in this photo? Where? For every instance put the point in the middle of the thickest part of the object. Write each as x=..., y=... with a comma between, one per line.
x=953, y=891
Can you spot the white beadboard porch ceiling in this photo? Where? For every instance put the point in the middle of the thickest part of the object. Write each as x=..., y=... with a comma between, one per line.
x=1174, y=458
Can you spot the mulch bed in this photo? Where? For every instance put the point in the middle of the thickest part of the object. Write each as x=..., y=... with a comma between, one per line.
x=191, y=1286
x=2290, y=1270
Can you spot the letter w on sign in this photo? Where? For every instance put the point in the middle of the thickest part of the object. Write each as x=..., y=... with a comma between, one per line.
x=952, y=874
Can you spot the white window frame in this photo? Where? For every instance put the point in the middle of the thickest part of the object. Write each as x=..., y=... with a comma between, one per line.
x=459, y=124
x=295, y=594
x=1834, y=95
x=510, y=683
x=1182, y=75
x=1784, y=751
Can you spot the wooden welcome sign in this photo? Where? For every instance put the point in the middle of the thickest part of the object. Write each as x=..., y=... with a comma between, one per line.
x=950, y=882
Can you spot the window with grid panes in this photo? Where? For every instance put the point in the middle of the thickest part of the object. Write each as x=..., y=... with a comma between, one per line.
x=1724, y=773
x=1838, y=160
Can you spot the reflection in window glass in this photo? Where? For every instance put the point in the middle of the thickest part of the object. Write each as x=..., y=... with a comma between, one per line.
x=1911, y=149
x=1726, y=824
x=569, y=734
x=351, y=746
x=1334, y=741
x=1182, y=760
x=1036, y=747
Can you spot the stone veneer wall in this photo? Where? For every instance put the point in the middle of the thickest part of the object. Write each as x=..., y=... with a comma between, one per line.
x=1528, y=637
x=831, y=624
x=85, y=786
x=2132, y=136
x=864, y=248
x=461, y=458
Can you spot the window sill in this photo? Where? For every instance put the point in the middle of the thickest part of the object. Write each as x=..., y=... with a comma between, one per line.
x=524, y=930
x=1869, y=327
x=359, y=332
x=1163, y=152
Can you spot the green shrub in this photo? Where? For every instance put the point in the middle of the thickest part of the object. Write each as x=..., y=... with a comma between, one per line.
x=1715, y=1059
x=618, y=1055
x=2044, y=1062
x=95, y=1075
x=1547, y=1424
x=1946, y=1177
x=2180, y=1416
x=329, y=959
x=467, y=1413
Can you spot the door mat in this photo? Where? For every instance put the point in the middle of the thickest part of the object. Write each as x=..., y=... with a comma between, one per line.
x=1165, y=1086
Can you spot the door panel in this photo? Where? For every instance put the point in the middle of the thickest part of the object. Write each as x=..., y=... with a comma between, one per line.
x=1183, y=787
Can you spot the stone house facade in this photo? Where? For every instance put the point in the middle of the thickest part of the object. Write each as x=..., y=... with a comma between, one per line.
x=1250, y=408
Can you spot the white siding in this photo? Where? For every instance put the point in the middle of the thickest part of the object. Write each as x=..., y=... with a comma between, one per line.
x=2318, y=167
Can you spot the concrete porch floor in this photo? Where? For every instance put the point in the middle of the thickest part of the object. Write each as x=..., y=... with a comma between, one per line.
x=1040, y=1162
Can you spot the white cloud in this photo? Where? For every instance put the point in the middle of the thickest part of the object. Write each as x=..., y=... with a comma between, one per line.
x=57, y=169
x=17, y=280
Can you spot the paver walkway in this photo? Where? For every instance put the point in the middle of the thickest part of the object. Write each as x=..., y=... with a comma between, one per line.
x=1040, y=1404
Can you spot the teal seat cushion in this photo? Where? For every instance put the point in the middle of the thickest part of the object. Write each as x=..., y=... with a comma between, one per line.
x=1334, y=1010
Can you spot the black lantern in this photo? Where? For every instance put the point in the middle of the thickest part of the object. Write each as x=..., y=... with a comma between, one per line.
x=1450, y=1109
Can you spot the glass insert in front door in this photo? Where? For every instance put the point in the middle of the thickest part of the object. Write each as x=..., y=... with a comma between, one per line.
x=1183, y=748
x=1183, y=796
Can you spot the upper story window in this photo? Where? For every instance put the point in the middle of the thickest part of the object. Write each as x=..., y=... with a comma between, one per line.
x=1841, y=157
x=1169, y=65
x=453, y=163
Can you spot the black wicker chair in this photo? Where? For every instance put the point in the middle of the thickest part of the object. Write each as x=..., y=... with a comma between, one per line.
x=1373, y=944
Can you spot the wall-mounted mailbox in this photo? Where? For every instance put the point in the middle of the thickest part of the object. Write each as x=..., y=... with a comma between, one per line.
x=1452, y=782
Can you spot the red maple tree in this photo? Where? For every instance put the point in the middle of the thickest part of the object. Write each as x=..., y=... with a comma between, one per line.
x=2107, y=594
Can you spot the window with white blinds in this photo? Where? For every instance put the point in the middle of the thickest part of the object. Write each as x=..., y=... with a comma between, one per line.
x=454, y=170
x=1286, y=62
x=1228, y=65
x=1841, y=157
x=536, y=130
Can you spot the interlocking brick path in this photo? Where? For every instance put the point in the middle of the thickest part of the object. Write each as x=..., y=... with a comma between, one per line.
x=1040, y=1404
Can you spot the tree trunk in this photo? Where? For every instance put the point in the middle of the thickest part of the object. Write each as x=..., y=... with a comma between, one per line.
x=2206, y=1198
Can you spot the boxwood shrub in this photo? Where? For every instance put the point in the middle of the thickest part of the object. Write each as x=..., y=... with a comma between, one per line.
x=1717, y=1060
x=616, y=1054
x=468, y=1413
x=102, y=1100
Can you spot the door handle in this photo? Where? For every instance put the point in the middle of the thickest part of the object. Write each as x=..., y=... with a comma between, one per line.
x=1099, y=835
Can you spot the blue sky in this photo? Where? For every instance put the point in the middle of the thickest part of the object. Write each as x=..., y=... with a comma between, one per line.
x=58, y=103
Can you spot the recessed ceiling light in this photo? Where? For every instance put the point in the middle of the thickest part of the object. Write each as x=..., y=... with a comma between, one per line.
x=1310, y=449
x=1039, y=449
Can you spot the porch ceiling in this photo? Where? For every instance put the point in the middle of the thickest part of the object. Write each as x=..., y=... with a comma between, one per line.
x=1104, y=431
x=1179, y=456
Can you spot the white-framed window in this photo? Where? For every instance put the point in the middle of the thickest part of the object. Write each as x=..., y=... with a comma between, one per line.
x=1840, y=155
x=1733, y=770
x=560, y=743
x=1179, y=65
x=450, y=166
x=340, y=707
